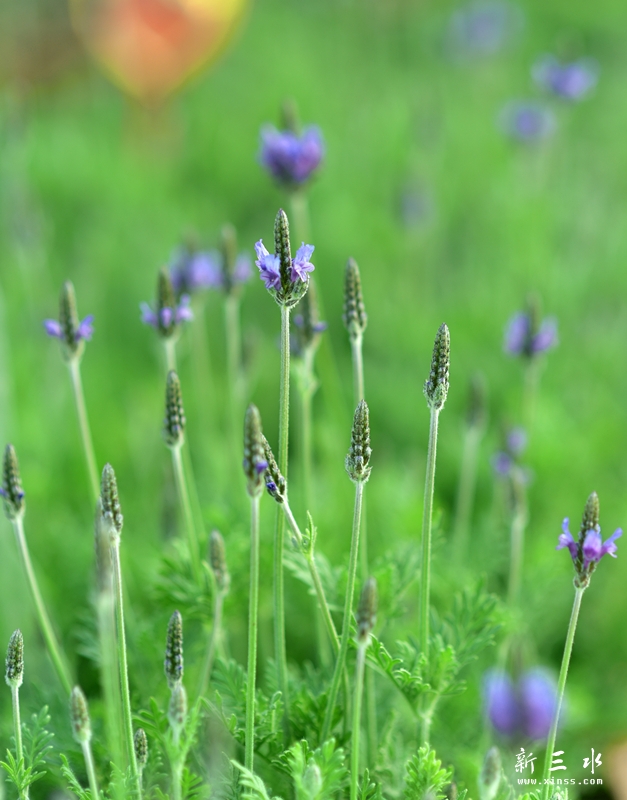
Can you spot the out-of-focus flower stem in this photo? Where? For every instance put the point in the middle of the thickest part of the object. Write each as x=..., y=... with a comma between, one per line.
x=83, y=421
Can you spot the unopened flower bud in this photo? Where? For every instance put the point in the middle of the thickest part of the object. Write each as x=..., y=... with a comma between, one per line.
x=490, y=776
x=177, y=710
x=367, y=611
x=254, y=463
x=355, y=317
x=140, y=743
x=282, y=248
x=436, y=386
x=275, y=482
x=312, y=780
x=79, y=716
x=11, y=490
x=14, y=674
x=591, y=515
x=174, y=650
x=217, y=557
x=111, y=511
x=174, y=422
x=358, y=458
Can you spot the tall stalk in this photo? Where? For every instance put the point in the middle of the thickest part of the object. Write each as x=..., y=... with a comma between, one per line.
x=221, y=585
x=81, y=728
x=366, y=617
x=83, y=421
x=181, y=487
x=517, y=532
x=466, y=488
x=14, y=676
x=561, y=686
x=435, y=390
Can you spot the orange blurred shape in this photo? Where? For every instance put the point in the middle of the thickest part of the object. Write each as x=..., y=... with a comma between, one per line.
x=150, y=47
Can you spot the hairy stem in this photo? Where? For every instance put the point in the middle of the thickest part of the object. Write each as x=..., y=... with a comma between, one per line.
x=105, y=606
x=466, y=489
x=518, y=526
x=91, y=770
x=216, y=633
x=427, y=518
x=181, y=486
x=253, y=608
x=17, y=731
x=83, y=421
x=280, y=654
x=359, y=686
x=561, y=686
x=54, y=650
x=348, y=610
x=123, y=663
x=169, y=346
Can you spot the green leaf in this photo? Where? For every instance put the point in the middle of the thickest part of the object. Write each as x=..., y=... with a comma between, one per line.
x=425, y=776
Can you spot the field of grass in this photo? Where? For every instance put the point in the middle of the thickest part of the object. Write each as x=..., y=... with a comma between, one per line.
x=449, y=218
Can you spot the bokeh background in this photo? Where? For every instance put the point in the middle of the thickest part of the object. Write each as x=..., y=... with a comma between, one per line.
x=451, y=217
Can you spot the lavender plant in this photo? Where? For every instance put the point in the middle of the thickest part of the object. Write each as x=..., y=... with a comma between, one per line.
x=167, y=316
x=81, y=728
x=73, y=334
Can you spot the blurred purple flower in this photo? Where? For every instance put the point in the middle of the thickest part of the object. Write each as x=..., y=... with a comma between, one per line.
x=500, y=703
x=289, y=158
x=191, y=271
x=167, y=316
x=505, y=460
x=523, y=338
x=484, y=28
x=571, y=81
x=526, y=708
x=593, y=548
x=527, y=120
x=84, y=331
x=538, y=703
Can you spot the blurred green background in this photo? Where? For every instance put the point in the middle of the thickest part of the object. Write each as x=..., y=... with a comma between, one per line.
x=449, y=219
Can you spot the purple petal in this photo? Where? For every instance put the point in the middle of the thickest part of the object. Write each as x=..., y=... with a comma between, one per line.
x=516, y=334
x=268, y=267
x=571, y=81
x=2, y=492
x=242, y=270
x=609, y=547
x=261, y=466
x=166, y=315
x=86, y=329
x=148, y=315
x=53, y=328
x=592, y=546
x=499, y=701
x=260, y=250
x=538, y=702
x=304, y=252
x=502, y=464
x=183, y=312
x=566, y=540
x=527, y=120
x=546, y=337
x=517, y=441
x=301, y=264
x=289, y=158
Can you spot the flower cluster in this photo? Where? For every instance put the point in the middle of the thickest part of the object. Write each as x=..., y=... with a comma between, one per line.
x=589, y=548
x=291, y=159
x=571, y=81
x=526, y=707
x=70, y=332
x=525, y=337
x=527, y=120
x=193, y=271
x=285, y=277
x=169, y=314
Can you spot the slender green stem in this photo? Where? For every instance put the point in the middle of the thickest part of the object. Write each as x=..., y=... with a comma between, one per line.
x=561, y=686
x=216, y=633
x=359, y=687
x=59, y=661
x=306, y=397
x=519, y=523
x=91, y=770
x=177, y=779
x=83, y=421
x=315, y=577
x=123, y=662
x=466, y=489
x=280, y=653
x=299, y=207
x=253, y=609
x=233, y=348
x=17, y=730
x=181, y=485
x=358, y=367
x=348, y=609
x=105, y=606
x=427, y=516
x=169, y=346
x=530, y=391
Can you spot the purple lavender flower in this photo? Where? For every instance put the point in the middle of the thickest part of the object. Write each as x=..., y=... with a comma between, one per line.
x=506, y=460
x=291, y=159
x=537, y=695
x=169, y=315
x=269, y=267
x=72, y=333
x=525, y=708
x=527, y=120
x=524, y=337
x=301, y=264
x=570, y=81
x=191, y=271
x=483, y=28
x=500, y=704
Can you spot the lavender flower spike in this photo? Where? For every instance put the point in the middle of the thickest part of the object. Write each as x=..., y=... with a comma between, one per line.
x=589, y=549
x=571, y=81
x=301, y=264
x=268, y=267
x=500, y=704
x=538, y=701
x=169, y=314
x=285, y=277
x=289, y=158
x=524, y=337
x=527, y=120
x=68, y=330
